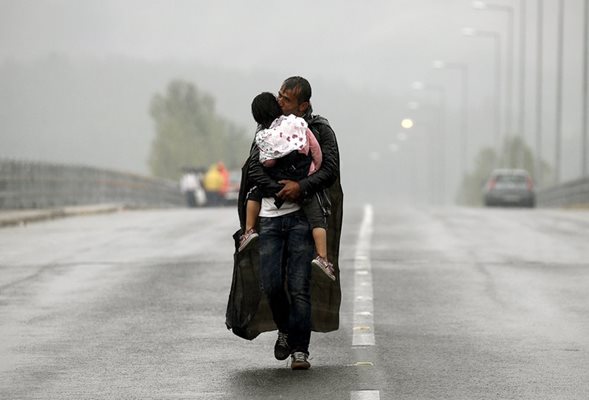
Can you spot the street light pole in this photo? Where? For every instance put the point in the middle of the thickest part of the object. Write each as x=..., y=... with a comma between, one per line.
x=497, y=41
x=522, y=77
x=585, y=90
x=441, y=92
x=421, y=130
x=539, y=93
x=463, y=69
x=481, y=5
x=558, y=138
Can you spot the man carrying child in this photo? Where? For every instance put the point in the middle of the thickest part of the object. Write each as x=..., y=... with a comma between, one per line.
x=285, y=237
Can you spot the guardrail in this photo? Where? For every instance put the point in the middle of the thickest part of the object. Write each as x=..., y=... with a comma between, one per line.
x=569, y=194
x=26, y=185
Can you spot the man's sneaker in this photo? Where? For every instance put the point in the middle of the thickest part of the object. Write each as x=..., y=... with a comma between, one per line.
x=325, y=266
x=281, y=348
x=246, y=239
x=299, y=360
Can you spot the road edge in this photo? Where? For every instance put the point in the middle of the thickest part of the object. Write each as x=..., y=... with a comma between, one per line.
x=23, y=217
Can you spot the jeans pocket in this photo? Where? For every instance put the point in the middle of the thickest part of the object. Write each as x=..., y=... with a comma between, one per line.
x=302, y=220
x=268, y=224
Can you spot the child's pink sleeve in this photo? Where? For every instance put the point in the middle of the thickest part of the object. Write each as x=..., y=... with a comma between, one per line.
x=315, y=150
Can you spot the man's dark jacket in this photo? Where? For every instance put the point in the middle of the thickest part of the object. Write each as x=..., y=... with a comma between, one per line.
x=248, y=313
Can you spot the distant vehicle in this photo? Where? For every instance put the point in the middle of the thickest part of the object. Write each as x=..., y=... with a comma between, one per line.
x=509, y=187
x=232, y=193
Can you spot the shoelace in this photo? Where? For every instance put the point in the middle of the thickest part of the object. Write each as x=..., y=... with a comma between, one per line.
x=298, y=356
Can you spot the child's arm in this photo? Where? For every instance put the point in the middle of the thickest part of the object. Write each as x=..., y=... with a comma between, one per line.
x=259, y=177
x=261, y=144
x=329, y=171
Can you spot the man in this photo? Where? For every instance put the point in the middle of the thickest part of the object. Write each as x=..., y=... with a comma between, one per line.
x=286, y=246
x=188, y=186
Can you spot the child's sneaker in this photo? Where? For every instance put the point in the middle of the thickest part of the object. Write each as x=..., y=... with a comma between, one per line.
x=246, y=239
x=325, y=266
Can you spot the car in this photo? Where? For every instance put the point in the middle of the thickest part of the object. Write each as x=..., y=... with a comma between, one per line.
x=509, y=187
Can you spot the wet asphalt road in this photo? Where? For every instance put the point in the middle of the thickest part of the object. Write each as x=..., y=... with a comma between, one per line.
x=468, y=304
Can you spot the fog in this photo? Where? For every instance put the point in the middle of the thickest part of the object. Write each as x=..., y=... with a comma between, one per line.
x=76, y=79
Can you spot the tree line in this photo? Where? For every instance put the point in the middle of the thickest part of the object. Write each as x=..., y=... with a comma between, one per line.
x=515, y=153
x=190, y=133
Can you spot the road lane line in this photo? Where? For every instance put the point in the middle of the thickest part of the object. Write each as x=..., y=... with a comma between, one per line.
x=363, y=331
x=365, y=395
x=363, y=327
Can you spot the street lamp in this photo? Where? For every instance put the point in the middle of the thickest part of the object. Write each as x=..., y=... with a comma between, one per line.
x=413, y=105
x=539, y=94
x=584, y=149
x=522, y=74
x=441, y=93
x=409, y=143
x=481, y=5
x=497, y=41
x=463, y=69
x=407, y=138
x=560, y=46
x=417, y=85
x=407, y=123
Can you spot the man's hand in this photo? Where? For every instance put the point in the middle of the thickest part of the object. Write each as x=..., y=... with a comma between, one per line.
x=291, y=190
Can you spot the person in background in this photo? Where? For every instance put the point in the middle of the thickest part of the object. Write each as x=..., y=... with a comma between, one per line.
x=225, y=180
x=188, y=185
x=213, y=184
x=200, y=194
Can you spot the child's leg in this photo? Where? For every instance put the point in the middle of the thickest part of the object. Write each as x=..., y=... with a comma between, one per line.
x=320, y=238
x=251, y=214
x=318, y=224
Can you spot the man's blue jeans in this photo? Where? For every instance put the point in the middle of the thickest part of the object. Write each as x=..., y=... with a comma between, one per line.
x=286, y=251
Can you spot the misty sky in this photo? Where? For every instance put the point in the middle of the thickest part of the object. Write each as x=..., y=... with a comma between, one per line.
x=362, y=43
x=377, y=47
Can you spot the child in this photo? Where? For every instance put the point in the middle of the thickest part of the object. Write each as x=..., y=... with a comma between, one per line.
x=281, y=138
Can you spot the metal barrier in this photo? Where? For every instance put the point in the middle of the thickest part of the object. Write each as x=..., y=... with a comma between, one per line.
x=30, y=185
x=25, y=185
x=570, y=194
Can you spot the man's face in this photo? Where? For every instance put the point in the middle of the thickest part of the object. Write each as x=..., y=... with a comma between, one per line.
x=289, y=103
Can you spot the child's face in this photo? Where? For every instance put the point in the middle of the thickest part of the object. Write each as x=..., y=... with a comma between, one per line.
x=288, y=101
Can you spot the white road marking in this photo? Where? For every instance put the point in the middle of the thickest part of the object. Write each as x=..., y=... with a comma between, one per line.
x=365, y=395
x=363, y=330
x=363, y=309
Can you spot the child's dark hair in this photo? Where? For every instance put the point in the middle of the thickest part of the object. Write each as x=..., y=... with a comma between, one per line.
x=265, y=109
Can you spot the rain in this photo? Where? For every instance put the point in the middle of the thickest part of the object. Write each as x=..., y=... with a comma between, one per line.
x=76, y=80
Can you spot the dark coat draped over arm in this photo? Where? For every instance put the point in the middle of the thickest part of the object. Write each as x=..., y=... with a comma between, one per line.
x=248, y=313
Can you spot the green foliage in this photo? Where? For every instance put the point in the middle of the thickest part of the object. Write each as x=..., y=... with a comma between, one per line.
x=514, y=154
x=472, y=184
x=190, y=133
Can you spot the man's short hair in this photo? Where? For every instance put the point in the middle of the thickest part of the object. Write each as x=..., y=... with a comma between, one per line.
x=300, y=86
